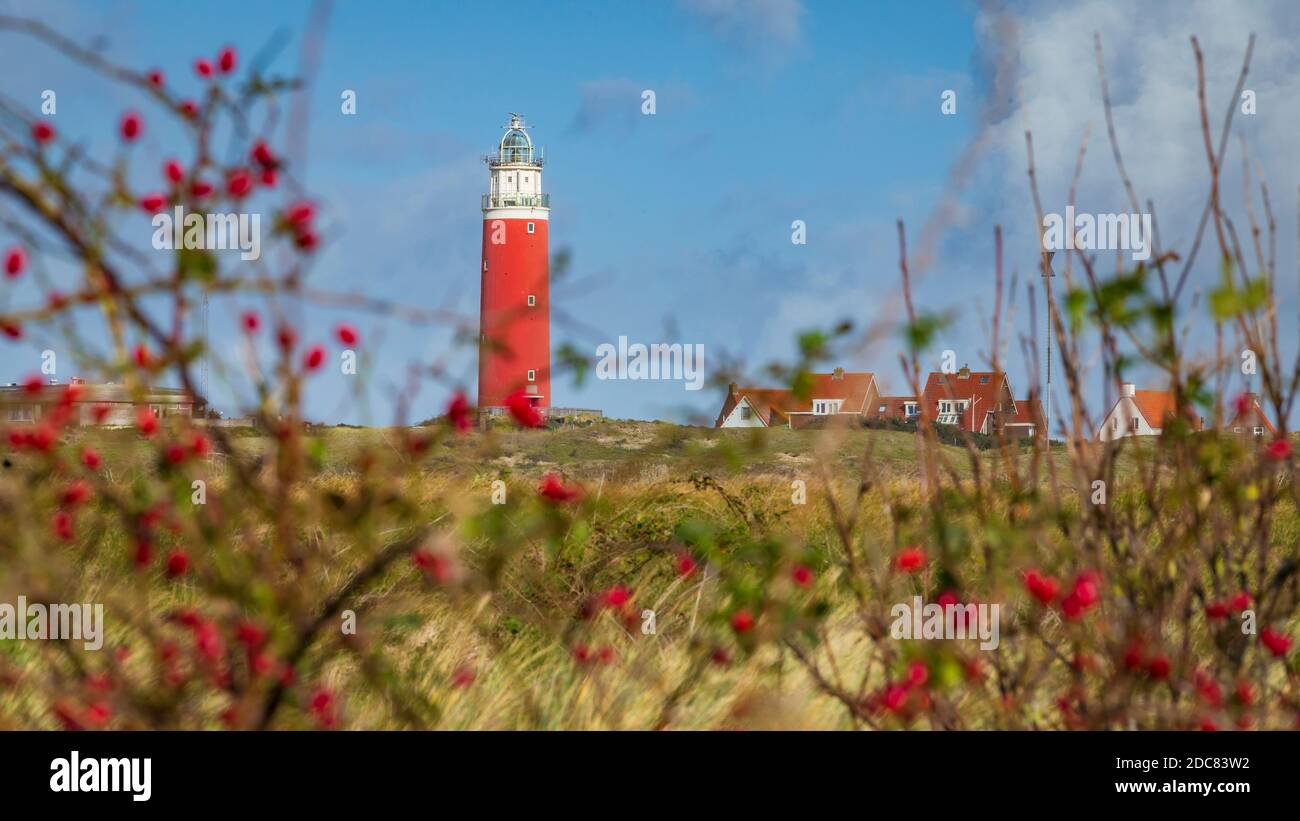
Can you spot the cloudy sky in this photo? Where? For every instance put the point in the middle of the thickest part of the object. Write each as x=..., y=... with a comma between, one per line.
x=679, y=224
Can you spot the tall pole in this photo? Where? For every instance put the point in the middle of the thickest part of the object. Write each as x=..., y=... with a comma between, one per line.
x=1047, y=295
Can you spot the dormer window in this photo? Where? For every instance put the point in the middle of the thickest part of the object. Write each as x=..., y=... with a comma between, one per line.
x=826, y=407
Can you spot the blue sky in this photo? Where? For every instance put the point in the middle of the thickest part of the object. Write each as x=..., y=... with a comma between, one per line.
x=679, y=223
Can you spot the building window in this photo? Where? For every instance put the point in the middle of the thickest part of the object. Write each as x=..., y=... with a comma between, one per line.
x=1133, y=424
x=20, y=413
x=1237, y=429
x=532, y=228
x=1259, y=431
x=984, y=380
x=532, y=300
x=909, y=409
x=532, y=375
x=825, y=407
x=882, y=409
x=746, y=412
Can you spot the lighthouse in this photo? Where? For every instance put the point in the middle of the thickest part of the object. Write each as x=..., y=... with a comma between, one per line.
x=515, y=305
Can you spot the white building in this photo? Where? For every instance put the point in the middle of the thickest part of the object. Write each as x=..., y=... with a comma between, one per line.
x=104, y=404
x=1141, y=413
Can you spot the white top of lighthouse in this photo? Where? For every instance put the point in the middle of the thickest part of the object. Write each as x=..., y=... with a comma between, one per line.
x=516, y=169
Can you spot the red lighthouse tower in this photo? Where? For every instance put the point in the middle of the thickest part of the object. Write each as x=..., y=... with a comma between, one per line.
x=515, y=306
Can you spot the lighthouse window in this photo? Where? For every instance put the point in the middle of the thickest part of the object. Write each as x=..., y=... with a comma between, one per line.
x=532, y=227
x=532, y=376
x=532, y=300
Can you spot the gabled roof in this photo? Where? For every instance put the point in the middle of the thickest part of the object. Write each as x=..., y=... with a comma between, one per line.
x=1026, y=413
x=1252, y=415
x=1158, y=406
x=766, y=402
x=980, y=387
x=851, y=387
x=771, y=404
x=1155, y=407
x=776, y=404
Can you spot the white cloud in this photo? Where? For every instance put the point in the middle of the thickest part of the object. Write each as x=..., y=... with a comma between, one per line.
x=752, y=25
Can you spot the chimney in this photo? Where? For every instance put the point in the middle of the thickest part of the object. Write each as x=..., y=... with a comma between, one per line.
x=838, y=373
x=731, y=389
x=964, y=373
x=1128, y=389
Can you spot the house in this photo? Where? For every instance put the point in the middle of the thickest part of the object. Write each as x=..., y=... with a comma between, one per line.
x=976, y=401
x=754, y=408
x=1250, y=418
x=1142, y=413
x=839, y=395
x=105, y=404
x=900, y=408
x=1026, y=421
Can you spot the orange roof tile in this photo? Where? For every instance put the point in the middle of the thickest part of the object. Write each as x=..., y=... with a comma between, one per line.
x=981, y=388
x=1252, y=416
x=851, y=387
x=779, y=403
x=1027, y=413
x=1157, y=406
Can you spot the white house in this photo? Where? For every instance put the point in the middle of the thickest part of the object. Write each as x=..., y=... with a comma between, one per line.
x=1141, y=413
x=839, y=395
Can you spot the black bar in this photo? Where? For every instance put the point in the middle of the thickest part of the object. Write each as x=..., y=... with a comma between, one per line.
x=568, y=771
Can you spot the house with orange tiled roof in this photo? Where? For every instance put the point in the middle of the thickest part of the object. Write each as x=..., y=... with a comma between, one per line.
x=1142, y=413
x=1026, y=420
x=976, y=401
x=900, y=408
x=1249, y=417
x=839, y=395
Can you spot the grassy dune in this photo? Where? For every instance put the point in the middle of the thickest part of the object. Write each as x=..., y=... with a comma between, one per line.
x=440, y=656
